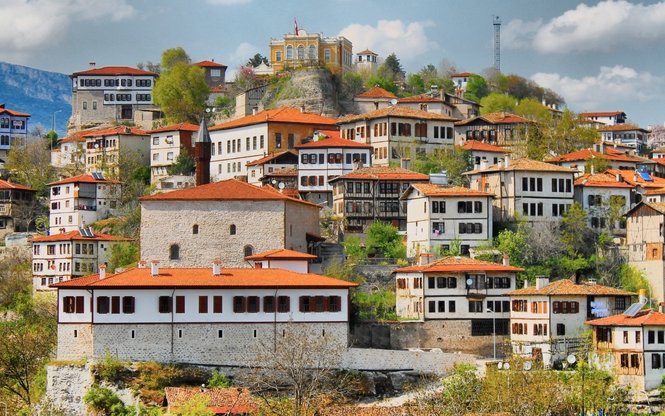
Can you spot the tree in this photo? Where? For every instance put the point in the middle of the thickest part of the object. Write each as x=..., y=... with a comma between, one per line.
x=30, y=165
x=51, y=139
x=384, y=83
x=123, y=254
x=257, y=60
x=246, y=79
x=150, y=66
x=391, y=69
x=495, y=103
x=181, y=90
x=352, y=84
x=578, y=239
x=386, y=238
x=184, y=164
x=15, y=278
x=453, y=160
x=415, y=84
x=476, y=88
x=532, y=109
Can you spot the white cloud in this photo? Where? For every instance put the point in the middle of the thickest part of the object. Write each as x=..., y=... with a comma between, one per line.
x=27, y=26
x=608, y=90
x=603, y=27
x=242, y=54
x=406, y=41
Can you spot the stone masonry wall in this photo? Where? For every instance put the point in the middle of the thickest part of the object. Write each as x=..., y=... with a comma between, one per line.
x=394, y=360
x=74, y=341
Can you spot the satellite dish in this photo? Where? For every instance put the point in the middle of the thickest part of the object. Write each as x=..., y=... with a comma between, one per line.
x=208, y=110
x=500, y=365
x=469, y=282
x=281, y=185
x=506, y=366
x=527, y=365
x=274, y=181
x=393, y=101
x=571, y=359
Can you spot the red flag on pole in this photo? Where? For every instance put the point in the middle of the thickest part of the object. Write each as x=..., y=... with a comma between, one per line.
x=295, y=26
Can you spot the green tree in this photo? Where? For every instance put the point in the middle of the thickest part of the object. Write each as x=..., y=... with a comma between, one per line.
x=532, y=109
x=225, y=105
x=495, y=103
x=391, y=69
x=476, y=88
x=453, y=160
x=354, y=249
x=415, y=84
x=578, y=239
x=181, y=90
x=30, y=165
x=384, y=83
x=632, y=279
x=184, y=164
x=123, y=254
x=386, y=238
x=51, y=139
x=257, y=60
x=352, y=85
x=218, y=380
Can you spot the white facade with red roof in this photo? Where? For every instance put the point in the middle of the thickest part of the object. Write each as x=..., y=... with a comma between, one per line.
x=326, y=158
x=282, y=258
x=79, y=201
x=64, y=256
x=367, y=61
x=615, y=157
x=103, y=148
x=109, y=94
x=398, y=132
x=239, y=142
x=632, y=347
x=258, y=169
x=211, y=315
x=374, y=98
x=166, y=143
x=429, y=102
x=533, y=190
x=546, y=319
x=460, y=80
x=13, y=130
x=626, y=134
x=439, y=214
x=226, y=220
x=18, y=205
x=608, y=118
x=502, y=129
x=645, y=224
x=483, y=151
x=606, y=197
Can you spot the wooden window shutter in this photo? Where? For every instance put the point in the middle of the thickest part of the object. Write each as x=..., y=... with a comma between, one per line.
x=302, y=304
x=203, y=304
x=115, y=304
x=217, y=304
x=80, y=303
x=326, y=304
x=179, y=304
x=244, y=304
x=312, y=303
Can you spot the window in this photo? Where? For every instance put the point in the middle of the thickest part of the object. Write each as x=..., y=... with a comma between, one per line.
x=220, y=333
x=73, y=304
x=165, y=304
x=248, y=250
x=232, y=229
x=278, y=140
x=179, y=304
x=115, y=305
x=278, y=58
x=291, y=141
x=269, y=304
x=475, y=306
x=432, y=306
x=603, y=334
x=442, y=306
x=253, y=304
x=451, y=306
x=319, y=303
x=174, y=252
x=195, y=229
x=661, y=337
x=216, y=304
x=203, y=304
x=103, y=305
x=128, y=304
x=239, y=304
x=560, y=329
x=326, y=54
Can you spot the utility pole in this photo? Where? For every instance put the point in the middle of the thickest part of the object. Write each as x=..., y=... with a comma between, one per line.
x=497, y=42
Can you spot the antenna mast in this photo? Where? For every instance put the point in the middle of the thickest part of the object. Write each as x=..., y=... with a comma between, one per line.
x=497, y=42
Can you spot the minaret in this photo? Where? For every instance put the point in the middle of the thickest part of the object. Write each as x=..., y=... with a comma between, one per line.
x=202, y=151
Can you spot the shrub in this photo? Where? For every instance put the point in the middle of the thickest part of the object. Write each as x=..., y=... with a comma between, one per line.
x=218, y=380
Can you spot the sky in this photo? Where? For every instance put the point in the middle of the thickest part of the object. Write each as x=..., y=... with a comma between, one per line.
x=600, y=56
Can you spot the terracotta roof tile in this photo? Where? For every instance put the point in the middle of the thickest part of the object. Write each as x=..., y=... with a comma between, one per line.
x=230, y=400
x=210, y=64
x=85, y=178
x=495, y=118
x=217, y=90
x=602, y=113
x=79, y=136
x=76, y=235
x=420, y=98
x=462, y=74
x=383, y=173
x=281, y=254
x=18, y=187
x=524, y=164
x=454, y=264
x=270, y=157
x=588, y=154
x=334, y=142
x=290, y=171
x=622, y=127
x=120, y=130
x=176, y=127
x=114, y=70
x=279, y=115
x=428, y=189
x=633, y=178
x=376, y=92
x=226, y=190
x=642, y=318
x=601, y=180
x=366, y=52
x=483, y=147
x=567, y=287
x=659, y=191
x=13, y=112
x=395, y=111
x=202, y=277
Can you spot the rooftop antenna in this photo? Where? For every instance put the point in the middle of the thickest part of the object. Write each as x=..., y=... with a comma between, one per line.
x=497, y=42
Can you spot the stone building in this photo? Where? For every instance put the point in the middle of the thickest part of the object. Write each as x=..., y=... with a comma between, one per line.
x=303, y=48
x=109, y=95
x=226, y=220
x=212, y=316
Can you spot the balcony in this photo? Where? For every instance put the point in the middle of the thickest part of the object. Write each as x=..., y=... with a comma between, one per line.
x=84, y=207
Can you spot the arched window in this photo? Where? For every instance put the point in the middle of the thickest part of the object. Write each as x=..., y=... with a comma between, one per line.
x=232, y=229
x=249, y=250
x=174, y=252
x=289, y=52
x=195, y=229
x=301, y=52
x=312, y=52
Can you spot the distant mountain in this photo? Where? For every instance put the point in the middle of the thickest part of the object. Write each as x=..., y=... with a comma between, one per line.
x=38, y=93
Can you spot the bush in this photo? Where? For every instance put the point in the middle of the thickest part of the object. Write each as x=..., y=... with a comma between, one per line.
x=108, y=369
x=218, y=380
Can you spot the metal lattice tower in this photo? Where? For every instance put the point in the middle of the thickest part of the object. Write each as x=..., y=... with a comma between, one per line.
x=497, y=42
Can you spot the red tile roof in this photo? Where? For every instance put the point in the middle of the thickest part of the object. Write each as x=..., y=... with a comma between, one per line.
x=634, y=178
x=566, y=287
x=395, y=111
x=281, y=254
x=120, y=130
x=334, y=143
x=85, y=178
x=383, y=173
x=13, y=113
x=642, y=318
x=601, y=180
x=331, y=134
x=18, y=187
x=376, y=92
x=289, y=171
x=588, y=154
x=495, y=118
x=176, y=127
x=217, y=90
x=482, y=147
x=459, y=264
x=462, y=74
x=659, y=191
x=76, y=235
x=622, y=127
x=279, y=115
x=141, y=278
x=226, y=190
x=420, y=98
x=270, y=157
x=444, y=190
x=210, y=64
x=232, y=400
x=602, y=113
x=524, y=164
x=366, y=52
x=114, y=70
x=79, y=136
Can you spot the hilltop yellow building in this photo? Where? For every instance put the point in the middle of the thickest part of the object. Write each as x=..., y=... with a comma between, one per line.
x=311, y=49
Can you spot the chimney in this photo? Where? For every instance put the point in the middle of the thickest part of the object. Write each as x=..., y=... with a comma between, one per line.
x=526, y=283
x=483, y=164
x=661, y=307
x=643, y=296
x=426, y=258
x=143, y=264
x=592, y=281
x=406, y=163
x=500, y=164
x=102, y=271
x=216, y=267
x=506, y=260
x=92, y=65
x=619, y=177
x=255, y=110
x=154, y=267
x=506, y=161
x=542, y=281
x=302, y=108
x=503, y=113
